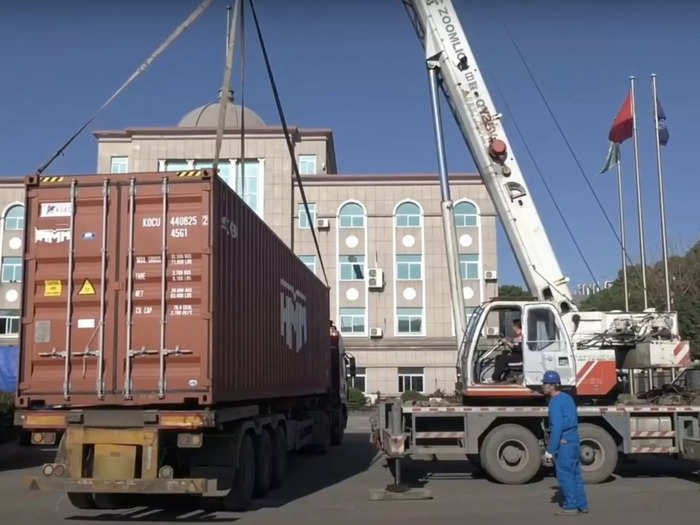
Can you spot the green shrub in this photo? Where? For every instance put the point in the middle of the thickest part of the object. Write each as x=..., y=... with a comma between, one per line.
x=356, y=399
x=410, y=395
x=7, y=409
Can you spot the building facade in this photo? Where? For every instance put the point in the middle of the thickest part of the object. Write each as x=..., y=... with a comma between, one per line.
x=380, y=236
x=11, y=243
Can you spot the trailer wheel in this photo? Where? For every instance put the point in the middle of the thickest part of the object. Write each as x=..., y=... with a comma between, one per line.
x=82, y=500
x=279, y=457
x=263, y=463
x=321, y=433
x=339, y=427
x=510, y=454
x=598, y=453
x=243, y=478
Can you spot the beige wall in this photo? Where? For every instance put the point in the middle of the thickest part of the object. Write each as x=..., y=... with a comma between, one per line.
x=11, y=245
x=433, y=350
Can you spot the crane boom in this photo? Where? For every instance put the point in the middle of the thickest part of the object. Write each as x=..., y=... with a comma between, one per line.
x=447, y=50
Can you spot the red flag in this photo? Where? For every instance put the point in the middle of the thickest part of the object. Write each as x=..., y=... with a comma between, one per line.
x=622, y=126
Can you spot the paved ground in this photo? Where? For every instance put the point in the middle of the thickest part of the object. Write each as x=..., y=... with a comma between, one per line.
x=334, y=488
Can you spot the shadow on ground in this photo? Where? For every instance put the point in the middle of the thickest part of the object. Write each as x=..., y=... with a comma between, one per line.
x=308, y=473
x=13, y=456
x=417, y=473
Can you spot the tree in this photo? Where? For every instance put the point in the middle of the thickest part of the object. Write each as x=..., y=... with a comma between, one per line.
x=512, y=291
x=684, y=274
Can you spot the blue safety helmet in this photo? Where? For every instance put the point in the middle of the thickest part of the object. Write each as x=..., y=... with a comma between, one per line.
x=551, y=378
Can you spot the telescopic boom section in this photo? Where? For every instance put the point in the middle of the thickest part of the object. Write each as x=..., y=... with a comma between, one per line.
x=446, y=45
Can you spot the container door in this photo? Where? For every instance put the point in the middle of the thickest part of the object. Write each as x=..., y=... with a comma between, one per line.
x=546, y=345
x=165, y=312
x=68, y=307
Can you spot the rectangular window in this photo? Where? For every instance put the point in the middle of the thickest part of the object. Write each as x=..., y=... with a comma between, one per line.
x=307, y=164
x=309, y=261
x=411, y=378
x=409, y=320
x=304, y=218
x=408, y=221
x=352, y=267
x=542, y=330
x=206, y=164
x=119, y=165
x=469, y=265
x=247, y=187
x=352, y=320
x=360, y=380
x=176, y=165
x=9, y=323
x=12, y=269
x=408, y=267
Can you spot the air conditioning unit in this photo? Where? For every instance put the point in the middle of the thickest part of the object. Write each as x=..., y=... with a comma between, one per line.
x=323, y=224
x=491, y=331
x=376, y=332
x=376, y=278
x=491, y=275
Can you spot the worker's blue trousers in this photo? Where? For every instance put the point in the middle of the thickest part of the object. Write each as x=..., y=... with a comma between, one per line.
x=568, y=469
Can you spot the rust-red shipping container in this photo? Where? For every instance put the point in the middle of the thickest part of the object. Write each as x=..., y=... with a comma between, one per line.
x=162, y=289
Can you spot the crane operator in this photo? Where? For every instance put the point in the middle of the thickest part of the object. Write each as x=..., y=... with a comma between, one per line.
x=512, y=356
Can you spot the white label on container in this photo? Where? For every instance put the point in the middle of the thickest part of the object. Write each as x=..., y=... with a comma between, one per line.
x=56, y=209
x=86, y=323
x=51, y=236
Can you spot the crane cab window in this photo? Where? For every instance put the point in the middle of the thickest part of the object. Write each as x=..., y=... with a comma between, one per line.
x=498, y=347
x=542, y=330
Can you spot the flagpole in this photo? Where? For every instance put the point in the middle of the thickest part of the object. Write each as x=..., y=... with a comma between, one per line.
x=640, y=220
x=622, y=233
x=662, y=207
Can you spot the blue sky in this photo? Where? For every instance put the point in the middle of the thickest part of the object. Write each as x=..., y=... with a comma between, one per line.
x=357, y=68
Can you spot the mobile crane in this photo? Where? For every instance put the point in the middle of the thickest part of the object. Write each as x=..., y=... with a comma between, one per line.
x=501, y=424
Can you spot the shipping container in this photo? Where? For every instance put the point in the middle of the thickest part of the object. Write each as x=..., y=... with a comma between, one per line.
x=163, y=289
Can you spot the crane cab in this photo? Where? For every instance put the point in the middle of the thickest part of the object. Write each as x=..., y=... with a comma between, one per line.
x=507, y=347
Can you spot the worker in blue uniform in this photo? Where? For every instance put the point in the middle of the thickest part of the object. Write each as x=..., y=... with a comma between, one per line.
x=563, y=446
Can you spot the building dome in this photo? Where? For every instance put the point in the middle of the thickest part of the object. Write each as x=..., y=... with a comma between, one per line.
x=207, y=116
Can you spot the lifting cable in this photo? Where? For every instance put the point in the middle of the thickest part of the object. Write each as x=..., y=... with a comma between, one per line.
x=225, y=88
x=146, y=63
x=287, y=136
x=566, y=141
x=242, y=43
x=546, y=185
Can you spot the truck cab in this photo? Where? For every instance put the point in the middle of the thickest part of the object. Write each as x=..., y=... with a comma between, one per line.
x=490, y=338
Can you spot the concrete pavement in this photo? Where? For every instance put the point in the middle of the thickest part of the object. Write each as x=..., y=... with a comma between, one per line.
x=334, y=489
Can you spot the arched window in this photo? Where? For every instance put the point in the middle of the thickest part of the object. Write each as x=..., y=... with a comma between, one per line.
x=408, y=215
x=14, y=218
x=352, y=216
x=465, y=214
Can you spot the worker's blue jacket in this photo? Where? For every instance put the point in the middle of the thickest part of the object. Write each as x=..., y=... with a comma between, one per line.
x=563, y=422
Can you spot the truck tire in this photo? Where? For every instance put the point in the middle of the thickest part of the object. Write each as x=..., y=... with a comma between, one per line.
x=338, y=432
x=321, y=433
x=598, y=453
x=82, y=500
x=241, y=493
x=263, y=463
x=279, y=457
x=510, y=454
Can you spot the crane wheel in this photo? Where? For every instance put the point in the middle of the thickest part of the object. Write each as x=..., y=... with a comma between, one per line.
x=510, y=454
x=598, y=452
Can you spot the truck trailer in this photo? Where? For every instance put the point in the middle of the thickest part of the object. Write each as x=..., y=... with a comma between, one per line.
x=171, y=339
